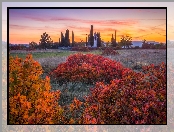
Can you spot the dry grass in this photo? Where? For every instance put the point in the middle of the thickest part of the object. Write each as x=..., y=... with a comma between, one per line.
x=140, y=57
x=35, y=51
x=50, y=63
x=128, y=58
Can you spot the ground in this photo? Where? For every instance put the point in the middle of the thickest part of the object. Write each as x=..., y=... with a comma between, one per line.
x=50, y=59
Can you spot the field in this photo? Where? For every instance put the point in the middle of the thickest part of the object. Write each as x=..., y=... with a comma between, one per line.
x=46, y=53
x=49, y=60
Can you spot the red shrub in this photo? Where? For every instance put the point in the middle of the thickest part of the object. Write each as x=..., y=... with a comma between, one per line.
x=88, y=68
x=137, y=98
x=109, y=51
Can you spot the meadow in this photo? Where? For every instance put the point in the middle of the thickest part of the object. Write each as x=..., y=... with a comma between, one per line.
x=134, y=58
x=79, y=76
x=47, y=53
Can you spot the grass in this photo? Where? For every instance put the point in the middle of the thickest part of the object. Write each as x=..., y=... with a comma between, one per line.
x=42, y=54
x=37, y=55
x=71, y=90
x=50, y=59
x=96, y=52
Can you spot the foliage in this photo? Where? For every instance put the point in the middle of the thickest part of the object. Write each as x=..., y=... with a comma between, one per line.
x=136, y=47
x=17, y=47
x=120, y=95
x=83, y=49
x=30, y=98
x=147, y=45
x=33, y=45
x=126, y=41
x=114, y=43
x=137, y=98
x=73, y=112
x=110, y=51
x=45, y=41
x=88, y=68
x=160, y=46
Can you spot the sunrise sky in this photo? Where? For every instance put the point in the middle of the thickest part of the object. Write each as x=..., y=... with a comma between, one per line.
x=26, y=25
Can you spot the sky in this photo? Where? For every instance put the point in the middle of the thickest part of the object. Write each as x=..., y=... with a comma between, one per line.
x=27, y=26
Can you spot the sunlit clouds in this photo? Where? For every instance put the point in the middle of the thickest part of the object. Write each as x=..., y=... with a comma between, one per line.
x=26, y=25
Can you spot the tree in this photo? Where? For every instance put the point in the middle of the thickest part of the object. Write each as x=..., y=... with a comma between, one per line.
x=126, y=41
x=160, y=46
x=145, y=44
x=32, y=45
x=98, y=40
x=56, y=45
x=107, y=44
x=114, y=44
x=152, y=45
x=45, y=41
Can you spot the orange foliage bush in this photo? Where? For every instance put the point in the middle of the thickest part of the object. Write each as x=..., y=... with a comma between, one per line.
x=73, y=112
x=30, y=98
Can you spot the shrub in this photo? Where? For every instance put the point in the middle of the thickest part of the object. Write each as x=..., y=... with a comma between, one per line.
x=137, y=98
x=30, y=98
x=73, y=112
x=120, y=96
x=93, y=48
x=136, y=47
x=88, y=68
x=83, y=49
x=110, y=51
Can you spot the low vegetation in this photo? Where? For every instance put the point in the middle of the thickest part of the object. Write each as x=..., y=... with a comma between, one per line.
x=85, y=89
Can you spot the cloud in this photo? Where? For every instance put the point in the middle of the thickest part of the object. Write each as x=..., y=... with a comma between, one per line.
x=141, y=30
x=91, y=22
x=21, y=27
x=158, y=30
x=13, y=26
x=97, y=29
x=63, y=29
x=150, y=11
